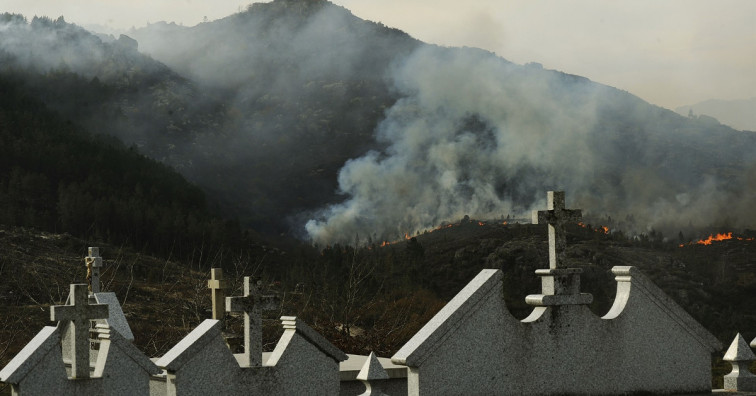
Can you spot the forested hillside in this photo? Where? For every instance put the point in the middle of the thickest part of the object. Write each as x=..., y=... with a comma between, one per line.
x=306, y=84
x=55, y=176
x=460, y=131
x=297, y=117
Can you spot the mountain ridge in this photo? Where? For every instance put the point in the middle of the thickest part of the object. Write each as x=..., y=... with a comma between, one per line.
x=740, y=114
x=295, y=113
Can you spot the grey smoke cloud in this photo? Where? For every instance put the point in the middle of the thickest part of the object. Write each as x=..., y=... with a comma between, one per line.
x=39, y=49
x=671, y=53
x=471, y=133
x=469, y=126
x=476, y=135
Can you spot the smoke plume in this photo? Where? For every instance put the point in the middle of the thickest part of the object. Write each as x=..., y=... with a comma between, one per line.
x=469, y=131
x=298, y=116
x=476, y=135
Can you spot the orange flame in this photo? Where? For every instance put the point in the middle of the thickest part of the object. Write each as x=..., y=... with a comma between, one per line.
x=480, y=223
x=718, y=238
x=715, y=238
x=603, y=229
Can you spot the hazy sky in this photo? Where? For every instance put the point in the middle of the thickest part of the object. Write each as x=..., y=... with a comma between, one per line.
x=668, y=52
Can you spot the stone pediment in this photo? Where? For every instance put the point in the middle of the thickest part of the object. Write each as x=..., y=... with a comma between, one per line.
x=444, y=323
x=630, y=281
x=646, y=343
x=116, y=318
x=127, y=349
x=46, y=341
x=645, y=333
x=190, y=345
x=312, y=336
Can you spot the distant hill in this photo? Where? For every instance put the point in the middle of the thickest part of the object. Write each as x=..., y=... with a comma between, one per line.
x=305, y=84
x=739, y=114
x=525, y=123
x=298, y=117
x=56, y=176
x=107, y=87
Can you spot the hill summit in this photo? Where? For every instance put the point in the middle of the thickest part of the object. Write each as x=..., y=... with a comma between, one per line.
x=298, y=117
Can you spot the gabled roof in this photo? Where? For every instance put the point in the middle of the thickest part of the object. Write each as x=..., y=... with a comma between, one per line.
x=36, y=350
x=128, y=349
x=448, y=318
x=182, y=352
x=301, y=328
x=640, y=283
x=116, y=319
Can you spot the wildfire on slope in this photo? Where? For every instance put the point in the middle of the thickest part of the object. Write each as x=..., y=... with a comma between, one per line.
x=715, y=238
x=603, y=229
x=719, y=237
x=408, y=236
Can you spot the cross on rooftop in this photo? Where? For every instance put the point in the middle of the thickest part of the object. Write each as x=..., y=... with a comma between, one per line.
x=252, y=304
x=93, y=263
x=79, y=313
x=556, y=216
x=217, y=285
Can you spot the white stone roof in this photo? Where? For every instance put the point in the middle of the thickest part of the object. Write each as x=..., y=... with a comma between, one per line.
x=116, y=319
x=640, y=283
x=291, y=322
x=128, y=349
x=182, y=352
x=448, y=318
x=31, y=355
x=443, y=324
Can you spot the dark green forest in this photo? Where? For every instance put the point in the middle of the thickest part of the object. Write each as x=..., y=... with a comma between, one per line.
x=57, y=177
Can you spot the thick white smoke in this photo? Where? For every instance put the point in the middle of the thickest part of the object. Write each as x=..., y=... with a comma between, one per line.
x=469, y=124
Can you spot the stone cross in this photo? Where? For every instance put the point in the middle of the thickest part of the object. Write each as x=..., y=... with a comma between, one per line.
x=93, y=263
x=252, y=304
x=79, y=313
x=559, y=286
x=217, y=285
x=556, y=217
